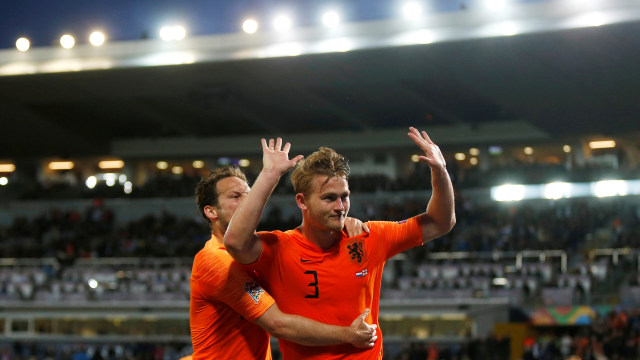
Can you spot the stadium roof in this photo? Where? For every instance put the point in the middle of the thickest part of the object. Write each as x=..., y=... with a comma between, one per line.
x=548, y=83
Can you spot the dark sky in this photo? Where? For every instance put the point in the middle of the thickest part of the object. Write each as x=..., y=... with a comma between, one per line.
x=44, y=21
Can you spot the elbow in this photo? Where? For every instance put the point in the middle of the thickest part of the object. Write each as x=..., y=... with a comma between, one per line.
x=277, y=327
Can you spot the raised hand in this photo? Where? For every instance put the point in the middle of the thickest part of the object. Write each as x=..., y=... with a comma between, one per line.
x=432, y=155
x=365, y=335
x=276, y=158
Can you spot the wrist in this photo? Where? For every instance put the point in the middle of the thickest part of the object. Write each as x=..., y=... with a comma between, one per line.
x=270, y=174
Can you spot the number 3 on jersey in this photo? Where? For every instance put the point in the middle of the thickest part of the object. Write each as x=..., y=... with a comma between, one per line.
x=314, y=284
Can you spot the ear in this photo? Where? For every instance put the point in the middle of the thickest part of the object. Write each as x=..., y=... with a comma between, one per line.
x=301, y=201
x=211, y=213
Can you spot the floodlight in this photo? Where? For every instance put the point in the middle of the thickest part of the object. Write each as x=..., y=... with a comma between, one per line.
x=67, y=41
x=250, y=26
x=23, y=44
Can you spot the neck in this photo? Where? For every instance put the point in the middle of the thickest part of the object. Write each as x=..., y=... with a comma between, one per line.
x=324, y=239
x=217, y=231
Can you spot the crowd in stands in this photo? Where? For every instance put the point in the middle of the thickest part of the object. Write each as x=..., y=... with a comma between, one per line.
x=32, y=350
x=164, y=184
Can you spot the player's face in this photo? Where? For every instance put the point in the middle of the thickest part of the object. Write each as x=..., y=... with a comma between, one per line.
x=328, y=204
x=231, y=192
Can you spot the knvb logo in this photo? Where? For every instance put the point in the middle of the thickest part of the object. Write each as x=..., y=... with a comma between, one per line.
x=356, y=251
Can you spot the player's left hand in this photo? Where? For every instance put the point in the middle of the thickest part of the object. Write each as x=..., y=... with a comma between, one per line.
x=275, y=157
x=355, y=227
x=432, y=155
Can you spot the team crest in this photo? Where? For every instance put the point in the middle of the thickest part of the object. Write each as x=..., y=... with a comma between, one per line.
x=254, y=290
x=355, y=251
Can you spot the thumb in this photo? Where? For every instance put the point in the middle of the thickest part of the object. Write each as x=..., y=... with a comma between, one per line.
x=297, y=159
x=365, y=313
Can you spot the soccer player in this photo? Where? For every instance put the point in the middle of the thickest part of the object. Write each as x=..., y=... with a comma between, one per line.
x=315, y=270
x=229, y=310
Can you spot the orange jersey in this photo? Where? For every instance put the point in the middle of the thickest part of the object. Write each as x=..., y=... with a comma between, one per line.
x=225, y=300
x=332, y=286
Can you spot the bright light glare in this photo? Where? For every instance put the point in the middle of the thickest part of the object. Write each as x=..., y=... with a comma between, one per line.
x=128, y=187
x=500, y=281
x=460, y=156
x=110, y=179
x=97, y=38
x=91, y=182
x=111, y=164
x=508, y=29
x=67, y=41
x=282, y=23
x=23, y=44
x=474, y=151
x=162, y=165
x=122, y=178
x=331, y=19
x=244, y=162
x=603, y=144
x=198, y=164
x=528, y=150
x=495, y=5
x=342, y=44
x=61, y=165
x=171, y=33
x=7, y=168
x=177, y=170
x=473, y=161
x=4, y=180
x=566, y=148
x=609, y=188
x=557, y=190
x=250, y=26
x=412, y=10
x=507, y=192
x=93, y=283
x=415, y=158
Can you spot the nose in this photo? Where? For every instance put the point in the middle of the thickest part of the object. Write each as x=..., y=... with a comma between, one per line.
x=339, y=206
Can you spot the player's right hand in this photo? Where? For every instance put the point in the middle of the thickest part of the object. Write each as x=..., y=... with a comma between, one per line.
x=364, y=335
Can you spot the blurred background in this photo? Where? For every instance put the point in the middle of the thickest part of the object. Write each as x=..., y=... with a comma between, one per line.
x=112, y=111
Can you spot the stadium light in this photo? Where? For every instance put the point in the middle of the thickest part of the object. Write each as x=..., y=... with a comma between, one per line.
x=331, y=19
x=607, y=188
x=162, y=165
x=473, y=161
x=111, y=164
x=171, y=33
x=61, y=165
x=7, y=168
x=557, y=190
x=412, y=10
x=474, y=151
x=128, y=187
x=110, y=179
x=23, y=44
x=177, y=170
x=460, y=156
x=67, y=41
x=602, y=144
x=282, y=23
x=528, y=150
x=250, y=26
x=91, y=182
x=4, y=181
x=93, y=283
x=244, y=162
x=566, y=148
x=507, y=192
x=415, y=158
x=495, y=5
x=97, y=38
x=198, y=164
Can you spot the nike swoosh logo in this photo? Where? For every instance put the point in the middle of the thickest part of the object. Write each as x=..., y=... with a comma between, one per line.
x=303, y=260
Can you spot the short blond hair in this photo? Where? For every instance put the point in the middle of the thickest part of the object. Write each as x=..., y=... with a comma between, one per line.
x=324, y=162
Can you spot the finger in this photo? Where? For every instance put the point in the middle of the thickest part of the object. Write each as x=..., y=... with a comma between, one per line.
x=426, y=137
x=286, y=148
x=297, y=159
x=271, y=144
x=365, y=228
x=365, y=313
x=278, y=144
x=264, y=145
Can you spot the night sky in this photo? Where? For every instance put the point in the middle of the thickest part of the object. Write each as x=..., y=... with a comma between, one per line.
x=44, y=21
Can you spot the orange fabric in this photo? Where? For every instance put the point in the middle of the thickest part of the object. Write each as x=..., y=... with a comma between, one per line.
x=225, y=300
x=332, y=286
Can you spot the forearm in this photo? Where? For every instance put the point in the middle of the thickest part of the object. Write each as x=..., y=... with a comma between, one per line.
x=441, y=208
x=302, y=330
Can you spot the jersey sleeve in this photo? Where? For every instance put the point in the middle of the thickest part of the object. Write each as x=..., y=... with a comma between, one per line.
x=270, y=242
x=394, y=237
x=226, y=281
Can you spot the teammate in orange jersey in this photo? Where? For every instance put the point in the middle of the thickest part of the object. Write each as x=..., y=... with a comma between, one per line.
x=229, y=309
x=316, y=270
